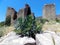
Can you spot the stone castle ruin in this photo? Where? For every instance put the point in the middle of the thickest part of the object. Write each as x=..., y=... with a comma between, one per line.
x=12, y=13
x=21, y=13
x=48, y=13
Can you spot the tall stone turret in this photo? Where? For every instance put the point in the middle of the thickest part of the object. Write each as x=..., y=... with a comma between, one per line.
x=11, y=12
x=49, y=12
x=24, y=12
x=20, y=14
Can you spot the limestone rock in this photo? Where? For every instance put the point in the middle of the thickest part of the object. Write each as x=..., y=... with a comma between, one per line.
x=13, y=39
x=48, y=38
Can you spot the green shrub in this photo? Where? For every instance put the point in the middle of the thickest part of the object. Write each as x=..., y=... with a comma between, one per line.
x=38, y=27
x=43, y=20
x=29, y=27
x=39, y=23
x=1, y=33
x=17, y=31
x=2, y=24
x=57, y=20
x=8, y=21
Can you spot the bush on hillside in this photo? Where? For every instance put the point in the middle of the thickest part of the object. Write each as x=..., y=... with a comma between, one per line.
x=8, y=21
x=43, y=20
x=2, y=24
x=39, y=23
x=1, y=33
x=18, y=32
x=29, y=27
x=38, y=27
x=57, y=20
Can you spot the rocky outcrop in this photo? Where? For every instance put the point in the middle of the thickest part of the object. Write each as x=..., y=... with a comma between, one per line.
x=45, y=38
x=13, y=39
x=48, y=38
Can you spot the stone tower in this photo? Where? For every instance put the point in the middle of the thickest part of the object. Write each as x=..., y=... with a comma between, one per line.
x=49, y=12
x=20, y=14
x=11, y=12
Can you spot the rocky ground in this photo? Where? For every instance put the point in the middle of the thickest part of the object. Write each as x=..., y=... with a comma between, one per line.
x=13, y=39
x=50, y=36
x=46, y=38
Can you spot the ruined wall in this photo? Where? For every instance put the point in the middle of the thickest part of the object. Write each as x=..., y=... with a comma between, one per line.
x=20, y=14
x=11, y=12
x=15, y=15
x=49, y=12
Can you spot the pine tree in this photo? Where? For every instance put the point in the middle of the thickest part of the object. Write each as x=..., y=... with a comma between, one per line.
x=27, y=27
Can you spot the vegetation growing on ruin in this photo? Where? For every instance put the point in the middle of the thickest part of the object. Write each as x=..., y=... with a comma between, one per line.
x=29, y=27
x=8, y=21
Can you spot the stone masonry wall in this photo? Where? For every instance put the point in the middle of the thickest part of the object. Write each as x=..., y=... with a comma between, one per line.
x=49, y=12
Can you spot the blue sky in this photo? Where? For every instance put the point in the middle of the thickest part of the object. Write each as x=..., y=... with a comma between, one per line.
x=36, y=6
